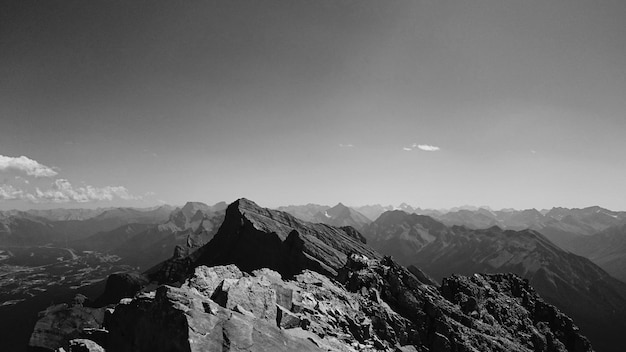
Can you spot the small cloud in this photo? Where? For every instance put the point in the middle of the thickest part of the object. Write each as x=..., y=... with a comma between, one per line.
x=533, y=151
x=427, y=148
x=424, y=147
x=346, y=145
x=26, y=165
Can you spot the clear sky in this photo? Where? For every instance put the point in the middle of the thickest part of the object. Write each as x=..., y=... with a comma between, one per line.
x=434, y=103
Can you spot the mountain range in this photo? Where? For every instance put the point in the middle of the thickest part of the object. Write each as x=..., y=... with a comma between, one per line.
x=505, y=252
x=573, y=283
x=269, y=281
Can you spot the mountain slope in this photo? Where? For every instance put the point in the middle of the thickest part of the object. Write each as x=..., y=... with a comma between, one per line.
x=401, y=235
x=607, y=249
x=572, y=283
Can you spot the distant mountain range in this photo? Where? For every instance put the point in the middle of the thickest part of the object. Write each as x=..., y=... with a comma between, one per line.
x=140, y=237
x=573, y=283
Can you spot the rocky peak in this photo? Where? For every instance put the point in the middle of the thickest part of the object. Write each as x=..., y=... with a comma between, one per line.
x=253, y=237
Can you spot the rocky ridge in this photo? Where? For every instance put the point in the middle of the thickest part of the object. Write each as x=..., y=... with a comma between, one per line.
x=268, y=281
x=253, y=237
x=376, y=306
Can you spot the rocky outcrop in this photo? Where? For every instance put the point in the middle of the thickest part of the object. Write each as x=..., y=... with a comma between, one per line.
x=510, y=301
x=457, y=316
x=379, y=306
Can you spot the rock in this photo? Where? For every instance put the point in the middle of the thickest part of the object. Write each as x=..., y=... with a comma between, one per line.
x=178, y=320
x=253, y=294
x=512, y=303
x=60, y=324
x=84, y=345
x=286, y=319
x=204, y=281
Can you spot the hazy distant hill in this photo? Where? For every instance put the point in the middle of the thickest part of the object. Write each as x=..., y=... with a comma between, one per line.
x=61, y=214
x=304, y=212
x=143, y=245
x=27, y=228
x=560, y=225
x=401, y=235
x=341, y=215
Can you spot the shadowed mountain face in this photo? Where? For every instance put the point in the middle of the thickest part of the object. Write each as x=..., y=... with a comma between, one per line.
x=572, y=283
x=314, y=287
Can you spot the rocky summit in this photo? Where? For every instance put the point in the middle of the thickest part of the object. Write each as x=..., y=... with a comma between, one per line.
x=270, y=282
x=376, y=306
x=253, y=237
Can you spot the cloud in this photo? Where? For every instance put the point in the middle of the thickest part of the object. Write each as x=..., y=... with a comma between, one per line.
x=346, y=145
x=26, y=165
x=8, y=192
x=62, y=191
x=424, y=147
x=428, y=148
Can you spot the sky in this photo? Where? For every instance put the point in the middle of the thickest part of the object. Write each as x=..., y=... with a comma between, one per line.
x=509, y=104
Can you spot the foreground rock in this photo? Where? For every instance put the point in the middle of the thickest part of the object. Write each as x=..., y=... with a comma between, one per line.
x=60, y=323
x=382, y=307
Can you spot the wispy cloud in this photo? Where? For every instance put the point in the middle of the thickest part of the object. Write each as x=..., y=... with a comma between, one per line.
x=346, y=145
x=62, y=191
x=428, y=148
x=424, y=147
x=26, y=165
